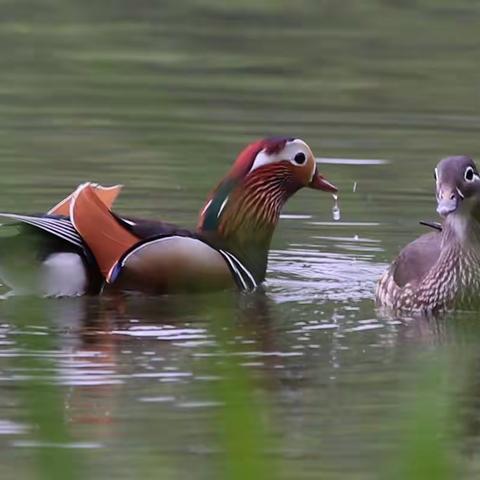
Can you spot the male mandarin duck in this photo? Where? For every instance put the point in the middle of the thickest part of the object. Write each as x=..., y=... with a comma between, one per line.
x=84, y=246
x=441, y=269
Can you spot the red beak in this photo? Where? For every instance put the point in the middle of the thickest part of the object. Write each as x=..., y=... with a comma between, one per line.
x=321, y=183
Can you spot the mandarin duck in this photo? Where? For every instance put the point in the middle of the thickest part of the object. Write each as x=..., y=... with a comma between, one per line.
x=440, y=270
x=83, y=246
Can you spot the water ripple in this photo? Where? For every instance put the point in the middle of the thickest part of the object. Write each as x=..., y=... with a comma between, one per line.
x=307, y=275
x=164, y=332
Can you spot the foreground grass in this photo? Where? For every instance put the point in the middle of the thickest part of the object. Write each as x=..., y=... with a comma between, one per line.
x=427, y=448
x=41, y=396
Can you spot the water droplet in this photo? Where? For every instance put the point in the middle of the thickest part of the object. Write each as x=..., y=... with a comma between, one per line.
x=354, y=187
x=335, y=208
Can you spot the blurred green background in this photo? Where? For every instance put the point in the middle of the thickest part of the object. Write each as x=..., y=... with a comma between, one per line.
x=308, y=380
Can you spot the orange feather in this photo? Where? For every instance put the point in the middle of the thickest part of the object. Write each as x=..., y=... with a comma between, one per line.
x=105, y=236
x=107, y=195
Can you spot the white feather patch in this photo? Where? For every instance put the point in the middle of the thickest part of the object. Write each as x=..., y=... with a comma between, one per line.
x=63, y=275
x=288, y=153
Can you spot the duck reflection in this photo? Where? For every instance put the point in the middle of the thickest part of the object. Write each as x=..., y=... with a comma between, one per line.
x=115, y=344
x=159, y=357
x=146, y=349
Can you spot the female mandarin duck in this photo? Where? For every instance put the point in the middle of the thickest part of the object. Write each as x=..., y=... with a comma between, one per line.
x=441, y=270
x=83, y=245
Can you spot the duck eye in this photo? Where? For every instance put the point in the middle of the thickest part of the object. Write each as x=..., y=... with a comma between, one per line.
x=300, y=158
x=469, y=174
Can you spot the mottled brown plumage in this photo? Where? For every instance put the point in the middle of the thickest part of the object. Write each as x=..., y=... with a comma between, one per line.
x=441, y=270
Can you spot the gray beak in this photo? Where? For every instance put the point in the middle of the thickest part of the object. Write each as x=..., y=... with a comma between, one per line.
x=448, y=202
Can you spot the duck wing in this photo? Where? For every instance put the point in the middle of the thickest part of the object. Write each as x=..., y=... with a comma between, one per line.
x=45, y=255
x=409, y=268
x=57, y=222
x=416, y=259
x=60, y=227
x=143, y=228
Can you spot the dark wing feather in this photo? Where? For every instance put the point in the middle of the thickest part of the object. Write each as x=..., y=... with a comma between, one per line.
x=60, y=227
x=416, y=259
x=152, y=228
x=31, y=238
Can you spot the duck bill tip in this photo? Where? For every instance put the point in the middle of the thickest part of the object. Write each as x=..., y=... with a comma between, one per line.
x=319, y=182
x=446, y=207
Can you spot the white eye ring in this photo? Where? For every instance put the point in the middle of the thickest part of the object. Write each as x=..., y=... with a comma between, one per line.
x=470, y=174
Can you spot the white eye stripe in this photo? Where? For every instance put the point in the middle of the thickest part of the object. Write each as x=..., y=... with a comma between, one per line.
x=291, y=149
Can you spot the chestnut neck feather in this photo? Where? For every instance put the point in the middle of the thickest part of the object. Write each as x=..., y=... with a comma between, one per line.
x=242, y=214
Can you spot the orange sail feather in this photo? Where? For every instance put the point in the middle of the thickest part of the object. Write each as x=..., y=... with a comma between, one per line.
x=107, y=195
x=105, y=236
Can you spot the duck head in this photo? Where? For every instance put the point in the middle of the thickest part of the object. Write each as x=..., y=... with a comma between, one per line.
x=458, y=187
x=291, y=157
x=242, y=211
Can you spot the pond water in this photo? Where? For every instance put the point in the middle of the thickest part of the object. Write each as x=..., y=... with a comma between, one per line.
x=161, y=97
